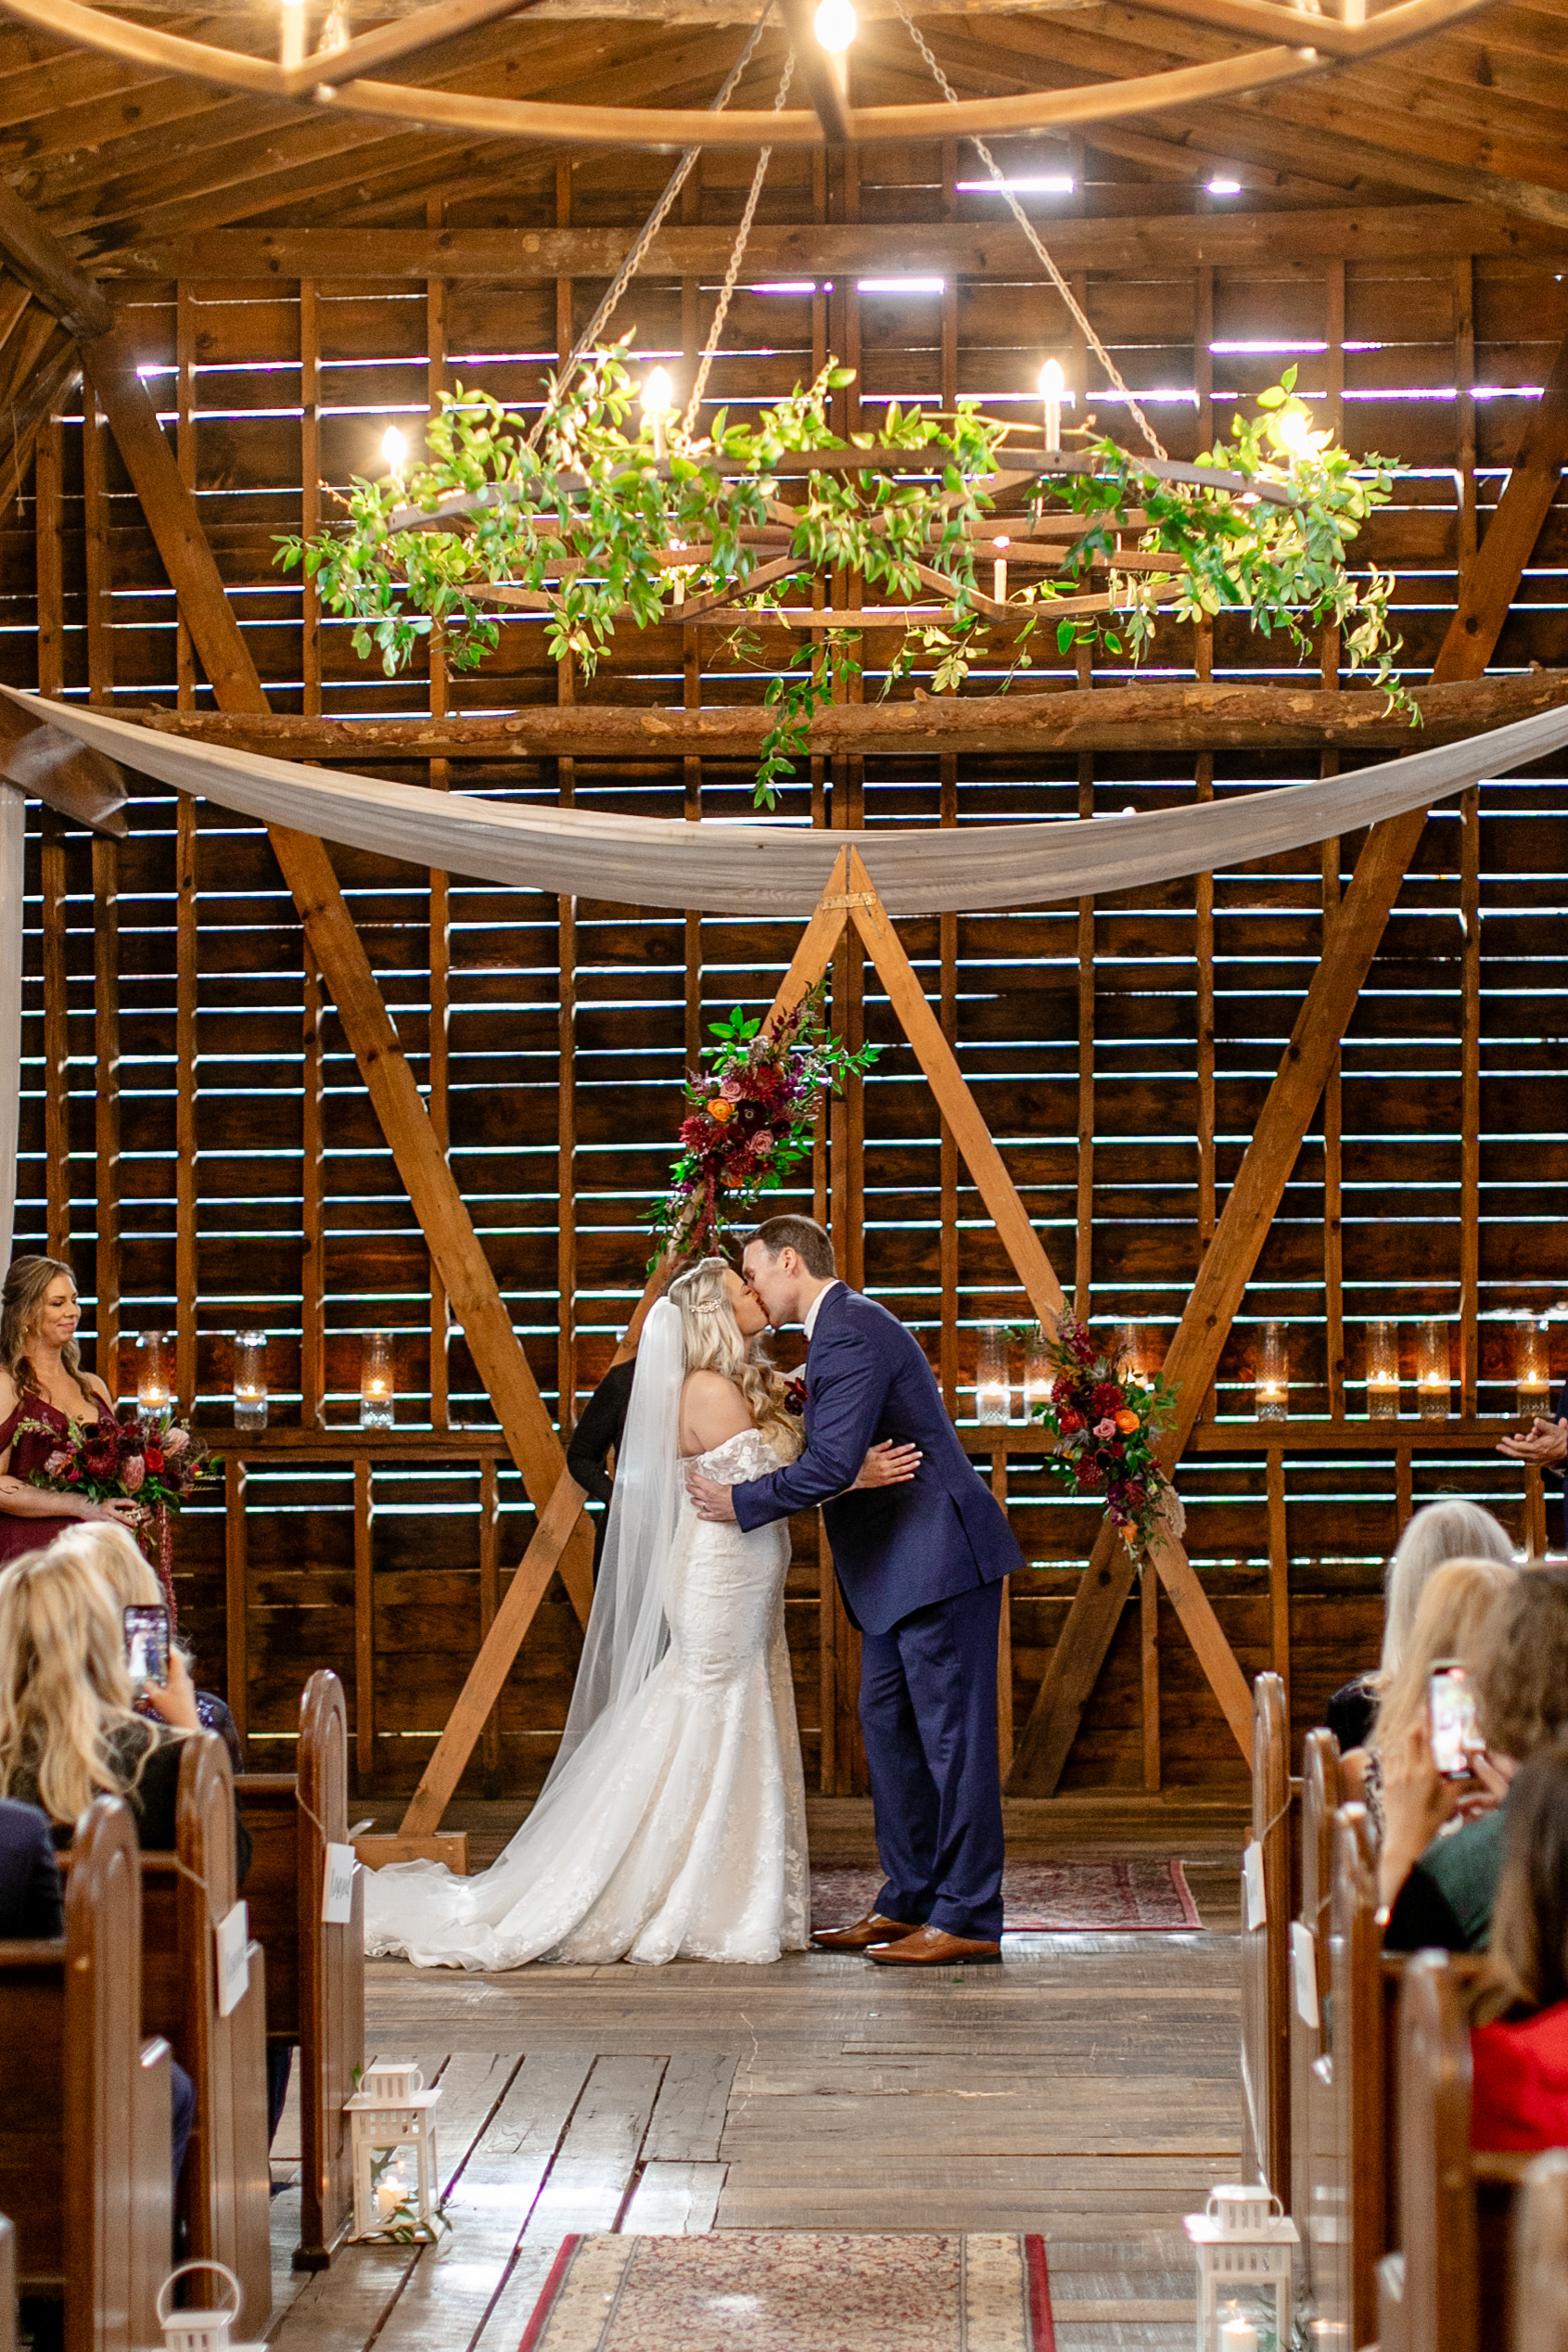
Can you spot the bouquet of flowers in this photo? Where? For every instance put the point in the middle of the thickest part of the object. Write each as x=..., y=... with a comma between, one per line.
x=153, y=1463
x=1106, y=1423
x=751, y=1118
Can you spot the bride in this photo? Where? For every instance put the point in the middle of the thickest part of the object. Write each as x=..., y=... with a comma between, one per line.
x=672, y=1825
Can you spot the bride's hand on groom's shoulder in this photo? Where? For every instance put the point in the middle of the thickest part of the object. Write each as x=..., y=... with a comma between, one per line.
x=888, y=1465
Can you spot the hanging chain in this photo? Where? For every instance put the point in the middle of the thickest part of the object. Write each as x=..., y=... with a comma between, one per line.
x=688, y=422
x=650, y=229
x=1078, y=314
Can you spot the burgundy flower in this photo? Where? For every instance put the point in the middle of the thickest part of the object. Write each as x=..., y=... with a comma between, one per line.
x=101, y=1462
x=1061, y=1388
x=1068, y=1421
x=155, y=1460
x=1091, y=1477
x=74, y=1475
x=1107, y=1396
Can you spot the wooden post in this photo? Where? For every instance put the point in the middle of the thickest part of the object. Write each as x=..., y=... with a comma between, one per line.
x=1083, y=1260
x=312, y=1254
x=1279, y=1572
x=1149, y=1660
x=235, y=1595
x=1470, y=1098
x=48, y=556
x=365, y=1629
x=56, y=1035
x=310, y=488
x=106, y=1114
x=490, y=1600
x=186, y=1206
x=440, y=890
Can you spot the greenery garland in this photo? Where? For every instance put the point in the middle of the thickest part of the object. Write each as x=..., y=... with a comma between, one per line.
x=593, y=525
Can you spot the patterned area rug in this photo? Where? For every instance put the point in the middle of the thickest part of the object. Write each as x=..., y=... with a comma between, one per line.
x=1048, y=1898
x=795, y=2291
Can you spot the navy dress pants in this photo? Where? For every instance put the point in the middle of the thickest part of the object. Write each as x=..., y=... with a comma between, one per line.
x=928, y=1712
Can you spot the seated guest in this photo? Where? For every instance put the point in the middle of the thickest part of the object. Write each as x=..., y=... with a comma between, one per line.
x=67, y=1730
x=1518, y=2041
x=31, y=1909
x=1440, y=1883
x=1445, y=1625
x=132, y=1579
x=1451, y=1529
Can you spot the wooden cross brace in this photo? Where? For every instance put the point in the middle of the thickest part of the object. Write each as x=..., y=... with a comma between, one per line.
x=850, y=897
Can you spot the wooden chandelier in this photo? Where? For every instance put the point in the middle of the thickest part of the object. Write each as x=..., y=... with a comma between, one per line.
x=343, y=76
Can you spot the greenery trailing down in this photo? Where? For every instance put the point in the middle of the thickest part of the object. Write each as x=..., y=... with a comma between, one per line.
x=592, y=530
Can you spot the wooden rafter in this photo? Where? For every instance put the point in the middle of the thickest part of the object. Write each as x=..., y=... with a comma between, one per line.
x=1254, y=1197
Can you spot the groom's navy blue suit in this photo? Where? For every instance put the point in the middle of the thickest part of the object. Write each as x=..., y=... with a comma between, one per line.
x=920, y=1566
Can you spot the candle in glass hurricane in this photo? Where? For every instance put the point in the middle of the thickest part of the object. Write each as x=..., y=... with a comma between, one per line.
x=1382, y=1372
x=1132, y=1347
x=993, y=1389
x=251, y=1380
x=155, y=1388
x=1271, y=1375
x=1039, y=1373
x=1431, y=1370
x=1532, y=1367
x=377, y=1386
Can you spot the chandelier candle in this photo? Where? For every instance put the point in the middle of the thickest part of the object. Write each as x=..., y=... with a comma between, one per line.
x=1272, y=1377
x=376, y=1381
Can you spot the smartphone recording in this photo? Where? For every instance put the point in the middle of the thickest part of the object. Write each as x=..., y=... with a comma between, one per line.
x=147, y=1646
x=1451, y=1716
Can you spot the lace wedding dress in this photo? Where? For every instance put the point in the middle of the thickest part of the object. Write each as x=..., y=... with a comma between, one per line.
x=676, y=1828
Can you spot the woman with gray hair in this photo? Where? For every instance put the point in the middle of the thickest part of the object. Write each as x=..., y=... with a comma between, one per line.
x=1451, y=1529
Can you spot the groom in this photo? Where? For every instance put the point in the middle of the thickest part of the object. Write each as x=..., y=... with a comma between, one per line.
x=920, y=1566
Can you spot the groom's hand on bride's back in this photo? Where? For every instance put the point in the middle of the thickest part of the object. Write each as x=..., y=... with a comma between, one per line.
x=712, y=1501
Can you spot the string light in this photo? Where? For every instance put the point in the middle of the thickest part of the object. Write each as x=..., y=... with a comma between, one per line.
x=1053, y=385
x=659, y=399
x=837, y=25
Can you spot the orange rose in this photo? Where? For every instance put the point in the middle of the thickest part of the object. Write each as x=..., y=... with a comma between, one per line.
x=1127, y=1422
x=720, y=1110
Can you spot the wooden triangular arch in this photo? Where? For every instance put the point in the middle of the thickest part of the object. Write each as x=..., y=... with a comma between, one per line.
x=849, y=899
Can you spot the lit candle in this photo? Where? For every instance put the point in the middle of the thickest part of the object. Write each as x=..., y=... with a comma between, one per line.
x=1272, y=1376
x=659, y=399
x=999, y=573
x=1238, y=2334
x=251, y=1380
x=1053, y=385
x=376, y=1381
x=1432, y=1374
x=291, y=34
x=153, y=1388
x=1533, y=1367
x=1383, y=1371
x=993, y=1386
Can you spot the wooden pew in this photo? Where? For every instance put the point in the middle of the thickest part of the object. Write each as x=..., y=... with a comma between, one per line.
x=1455, y=2206
x=1540, y=2256
x=1351, y=2230
x=225, y=2190
x=85, y=2164
x=315, y=1973
x=1266, y=2134
x=7, y=2286
x=1312, y=2126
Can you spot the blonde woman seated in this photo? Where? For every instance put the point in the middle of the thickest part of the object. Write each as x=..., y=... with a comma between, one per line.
x=133, y=1580
x=672, y=1825
x=68, y=1730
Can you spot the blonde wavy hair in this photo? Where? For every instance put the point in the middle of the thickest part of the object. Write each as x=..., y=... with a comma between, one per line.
x=27, y=1286
x=112, y=1553
x=65, y=1693
x=714, y=1342
x=1450, y=1622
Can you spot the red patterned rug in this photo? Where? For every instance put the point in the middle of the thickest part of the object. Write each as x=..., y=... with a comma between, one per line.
x=1045, y=1898
x=795, y=2291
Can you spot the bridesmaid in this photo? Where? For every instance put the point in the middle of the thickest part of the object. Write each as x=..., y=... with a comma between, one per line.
x=42, y=1390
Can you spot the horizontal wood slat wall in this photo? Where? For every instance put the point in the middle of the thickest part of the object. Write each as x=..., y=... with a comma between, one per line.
x=1117, y=1068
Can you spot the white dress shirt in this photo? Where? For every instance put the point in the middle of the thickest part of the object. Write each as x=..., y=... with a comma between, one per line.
x=815, y=1308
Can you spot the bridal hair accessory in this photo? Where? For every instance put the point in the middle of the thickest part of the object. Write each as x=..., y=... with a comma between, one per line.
x=752, y=1119
x=1106, y=1418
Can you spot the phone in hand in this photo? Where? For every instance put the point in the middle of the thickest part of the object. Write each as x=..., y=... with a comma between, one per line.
x=1451, y=1718
x=146, y=1646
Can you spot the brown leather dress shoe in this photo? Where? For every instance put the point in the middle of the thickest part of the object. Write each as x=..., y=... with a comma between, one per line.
x=872, y=1929
x=934, y=1948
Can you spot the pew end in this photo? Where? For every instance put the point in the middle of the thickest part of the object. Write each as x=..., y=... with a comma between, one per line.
x=1540, y=2256
x=1266, y=2005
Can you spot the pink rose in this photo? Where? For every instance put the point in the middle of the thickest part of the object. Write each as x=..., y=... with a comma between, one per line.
x=56, y=1465
x=730, y=1090
x=1104, y=1431
x=762, y=1143
x=175, y=1440
x=133, y=1470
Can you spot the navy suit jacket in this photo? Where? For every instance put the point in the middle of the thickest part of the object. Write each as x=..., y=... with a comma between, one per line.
x=897, y=1549
x=30, y=1877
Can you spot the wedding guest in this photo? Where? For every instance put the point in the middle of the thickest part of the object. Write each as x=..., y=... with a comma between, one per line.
x=1451, y=1529
x=43, y=1392
x=116, y=1556
x=1519, y=2038
x=1440, y=1887
x=30, y=1905
x=68, y=1729
x=597, y=1436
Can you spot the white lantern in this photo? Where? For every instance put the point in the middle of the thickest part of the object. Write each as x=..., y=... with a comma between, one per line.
x=1244, y=2246
x=392, y=2119
x=202, y=2330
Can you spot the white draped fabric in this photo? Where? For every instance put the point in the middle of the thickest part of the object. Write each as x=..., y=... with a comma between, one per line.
x=13, y=838
x=779, y=869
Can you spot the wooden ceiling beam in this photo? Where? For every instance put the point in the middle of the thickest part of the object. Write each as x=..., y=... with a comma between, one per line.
x=978, y=250
x=1254, y=1197
x=1188, y=718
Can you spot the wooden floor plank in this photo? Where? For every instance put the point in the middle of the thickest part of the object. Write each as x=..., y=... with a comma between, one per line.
x=688, y=2121
x=592, y=2172
x=675, y=2200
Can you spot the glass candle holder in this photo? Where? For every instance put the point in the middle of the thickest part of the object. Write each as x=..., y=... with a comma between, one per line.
x=378, y=1383
x=1271, y=1375
x=1382, y=1372
x=155, y=1373
x=1132, y=1343
x=1532, y=1367
x=1039, y=1372
x=1432, y=1377
x=251, y=1380
x=993, y=1389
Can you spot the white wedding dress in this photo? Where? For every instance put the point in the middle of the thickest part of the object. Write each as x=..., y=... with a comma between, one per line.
x=675, y=1827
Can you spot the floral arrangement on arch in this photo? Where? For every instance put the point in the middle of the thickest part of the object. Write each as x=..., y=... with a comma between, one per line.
x=752, y=1119
x=1106, y=1421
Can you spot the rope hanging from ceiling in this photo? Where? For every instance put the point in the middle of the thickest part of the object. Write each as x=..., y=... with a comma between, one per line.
x=780, y=870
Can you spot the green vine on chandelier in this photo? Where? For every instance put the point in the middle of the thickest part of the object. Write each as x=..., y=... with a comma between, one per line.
x=589, y=521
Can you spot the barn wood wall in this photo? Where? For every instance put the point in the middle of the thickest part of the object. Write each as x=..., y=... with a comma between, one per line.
x=225, y=1167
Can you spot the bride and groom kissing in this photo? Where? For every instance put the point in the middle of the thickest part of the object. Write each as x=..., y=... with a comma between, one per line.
x=672, y=1824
